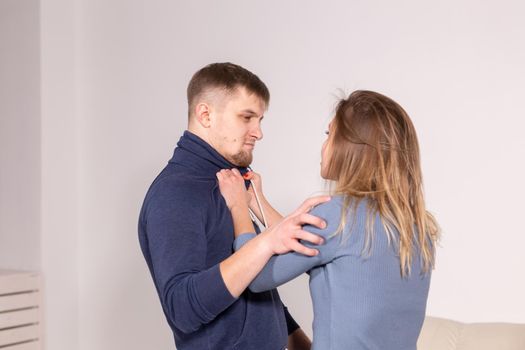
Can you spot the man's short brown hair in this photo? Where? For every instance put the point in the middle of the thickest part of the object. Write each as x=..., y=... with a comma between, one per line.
x=226, y=77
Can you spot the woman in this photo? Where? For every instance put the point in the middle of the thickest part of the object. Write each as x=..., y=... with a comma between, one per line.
x=369, y=282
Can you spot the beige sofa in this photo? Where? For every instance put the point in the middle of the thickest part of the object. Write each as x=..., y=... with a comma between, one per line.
x=444, y=334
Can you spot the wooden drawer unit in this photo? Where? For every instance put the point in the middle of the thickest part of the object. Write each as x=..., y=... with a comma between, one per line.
x=19, y=310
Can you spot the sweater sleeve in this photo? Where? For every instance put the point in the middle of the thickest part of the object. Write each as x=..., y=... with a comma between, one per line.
x=191, y=293
x=283, y=268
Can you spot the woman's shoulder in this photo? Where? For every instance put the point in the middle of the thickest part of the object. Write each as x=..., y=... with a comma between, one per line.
x=335, y=203
x=330, y=212
x=356, y=213
x=335, y=206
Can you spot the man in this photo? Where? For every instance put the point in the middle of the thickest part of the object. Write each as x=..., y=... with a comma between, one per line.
x=186, y=229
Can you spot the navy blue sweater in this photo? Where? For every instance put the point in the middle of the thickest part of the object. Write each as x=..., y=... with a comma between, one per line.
x=185, y=231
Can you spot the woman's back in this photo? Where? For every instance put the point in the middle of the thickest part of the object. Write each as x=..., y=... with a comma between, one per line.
x=360, y=299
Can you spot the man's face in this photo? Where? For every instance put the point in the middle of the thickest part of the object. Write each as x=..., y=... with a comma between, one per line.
x=236, y=126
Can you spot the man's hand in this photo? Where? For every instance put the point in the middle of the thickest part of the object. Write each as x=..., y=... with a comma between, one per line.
x=284, y=236
x=239, y=270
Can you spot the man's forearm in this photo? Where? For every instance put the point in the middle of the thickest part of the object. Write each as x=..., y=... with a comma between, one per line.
x=239, y=270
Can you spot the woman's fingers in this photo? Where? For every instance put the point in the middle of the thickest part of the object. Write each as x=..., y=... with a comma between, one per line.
x=226, y=174
x=236, y=173
x=232, y=174
x=232, y=188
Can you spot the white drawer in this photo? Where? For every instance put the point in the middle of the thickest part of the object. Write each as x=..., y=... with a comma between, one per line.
x=34, y=345
x=18, y=335
x=10, y=302
x=20, y=319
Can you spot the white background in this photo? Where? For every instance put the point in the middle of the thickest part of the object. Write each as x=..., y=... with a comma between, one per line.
x=92, y=102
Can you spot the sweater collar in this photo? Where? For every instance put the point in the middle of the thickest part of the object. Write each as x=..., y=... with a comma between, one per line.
x=204, y=157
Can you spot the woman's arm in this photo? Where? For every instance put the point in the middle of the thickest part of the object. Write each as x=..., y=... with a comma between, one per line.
x=234, y=192
x=283, y=268
x=277, y=239
x=256, y=192
x=231, y=185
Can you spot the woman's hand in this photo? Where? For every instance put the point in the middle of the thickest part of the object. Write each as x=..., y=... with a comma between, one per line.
x=272, y=216
x=233, y=189
x=257, y=182
x=234, y=192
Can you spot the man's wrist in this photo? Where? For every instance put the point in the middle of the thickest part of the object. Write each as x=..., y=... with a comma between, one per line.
x=264, y=244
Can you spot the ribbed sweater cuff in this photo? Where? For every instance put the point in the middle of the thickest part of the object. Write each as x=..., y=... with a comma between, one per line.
x=214, y=296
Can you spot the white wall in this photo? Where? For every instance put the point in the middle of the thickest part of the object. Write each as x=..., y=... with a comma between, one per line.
x=457, y=71
x=114, y=75
x=456, y=67
x=126, y=108
x=60, y=175
x=19, y=135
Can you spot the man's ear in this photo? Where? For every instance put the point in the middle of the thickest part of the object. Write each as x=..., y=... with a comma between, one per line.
x=202, y=114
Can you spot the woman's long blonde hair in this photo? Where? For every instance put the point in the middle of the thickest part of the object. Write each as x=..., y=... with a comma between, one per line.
x=375, y=155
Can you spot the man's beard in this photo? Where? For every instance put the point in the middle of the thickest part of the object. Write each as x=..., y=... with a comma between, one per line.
x=242, y=159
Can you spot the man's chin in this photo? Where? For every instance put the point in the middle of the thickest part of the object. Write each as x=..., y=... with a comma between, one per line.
x=242, y=159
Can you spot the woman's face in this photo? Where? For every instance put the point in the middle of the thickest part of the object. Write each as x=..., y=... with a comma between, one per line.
x=326, y=152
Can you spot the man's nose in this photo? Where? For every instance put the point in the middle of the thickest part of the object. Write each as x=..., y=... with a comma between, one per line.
x=257, y=132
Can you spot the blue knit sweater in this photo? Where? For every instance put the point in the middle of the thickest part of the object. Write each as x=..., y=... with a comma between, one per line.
x=360, y=301
x=185, y=231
